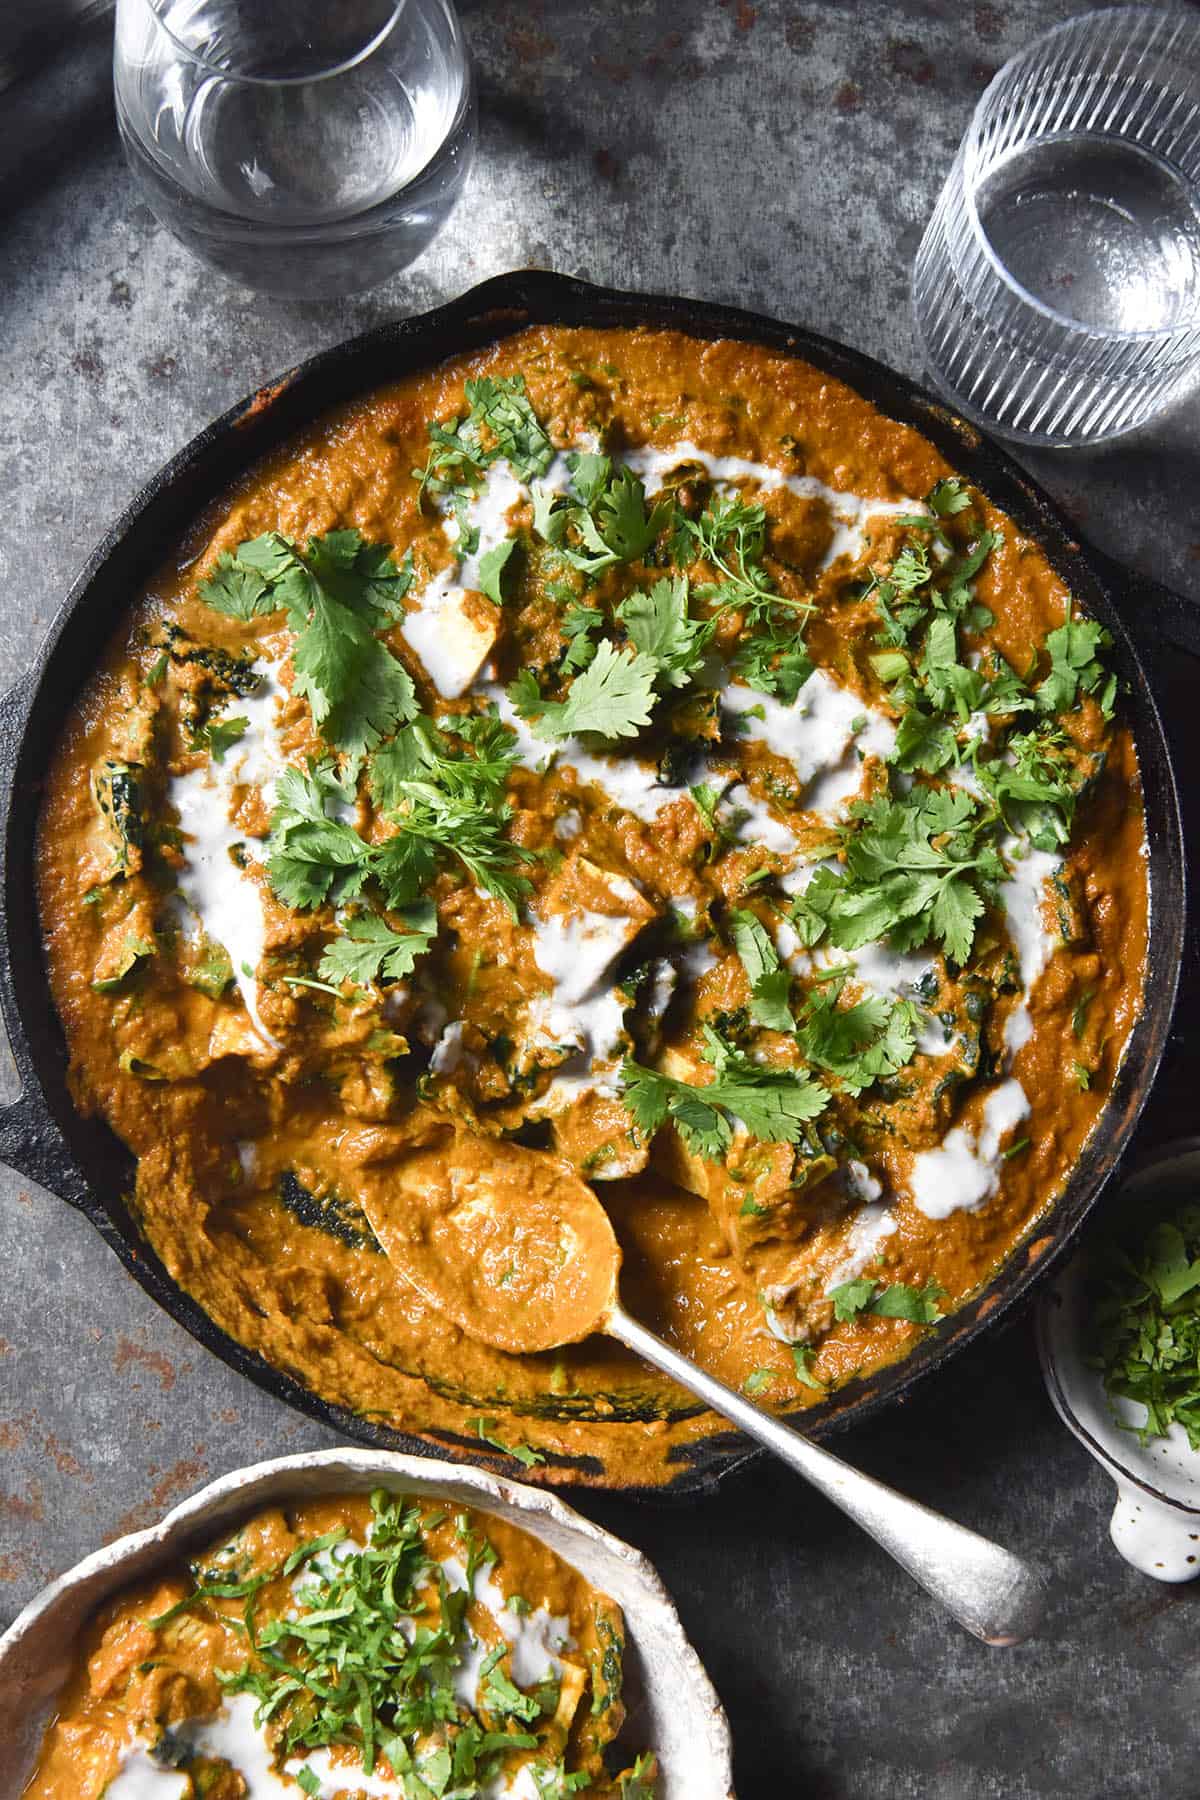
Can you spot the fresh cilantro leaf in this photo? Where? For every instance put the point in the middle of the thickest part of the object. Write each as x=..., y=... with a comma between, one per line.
x=706, y=798
x=369, y=950
x=616, y=527
x=773, y=1103
x=860, y=1043
x=504, y=408
x=916, y=868
x=433, y=824
x=477, y=771
x=659, y=627
x=949, y=685
x=612, y=698
x=957, y=908
x=810, y=909
x=579, y=625
x=803, y=1356
x=338, y=593
x=237, y=588
x=852, y=1297
x=491, y=569
x=357, y=690
x=730, y=536
x=551, y=514
x=219, y=735
x=770, y=983
x=500, y=1695
x=312, y=858
x=1076, y=667
x=1037, y=783
x=948, y=496
x=919, y=1306
x=773, y=658
x=590, y=475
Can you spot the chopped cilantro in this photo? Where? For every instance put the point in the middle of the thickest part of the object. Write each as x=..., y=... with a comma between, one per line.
x=895, y=1300
x=770, y=983
x=1144, y=1318
x=773, y=1103
x=491, y=569
x=918, y=868
x=219, y=735
x=344, y=1666
x=1075, y=668
x=499, y=423
x=500, y=1695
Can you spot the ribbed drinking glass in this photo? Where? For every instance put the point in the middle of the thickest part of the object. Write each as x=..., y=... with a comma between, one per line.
x=306, y=147
x=1056, y=292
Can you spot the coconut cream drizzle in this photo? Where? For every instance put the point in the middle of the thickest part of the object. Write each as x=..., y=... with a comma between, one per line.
x=964, y=1170
x=849, y=512
x=221, y=900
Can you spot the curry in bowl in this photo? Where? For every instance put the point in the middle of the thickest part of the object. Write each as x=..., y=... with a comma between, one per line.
x=350, y=1646
x=641, y=752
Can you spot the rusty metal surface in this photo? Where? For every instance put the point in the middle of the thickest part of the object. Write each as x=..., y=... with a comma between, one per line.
x=780, y=157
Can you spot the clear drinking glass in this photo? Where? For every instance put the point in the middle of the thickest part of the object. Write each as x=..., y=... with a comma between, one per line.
x=305, y=147
x=1057, y=288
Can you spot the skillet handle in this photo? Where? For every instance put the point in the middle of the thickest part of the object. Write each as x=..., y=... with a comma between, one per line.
x=30, y=1140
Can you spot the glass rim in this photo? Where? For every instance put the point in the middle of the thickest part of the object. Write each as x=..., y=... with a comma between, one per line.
x=970, y=156
x=277, y=81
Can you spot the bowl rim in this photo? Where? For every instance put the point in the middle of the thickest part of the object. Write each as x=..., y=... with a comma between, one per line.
x=491, y=1493
x=1048, y=1309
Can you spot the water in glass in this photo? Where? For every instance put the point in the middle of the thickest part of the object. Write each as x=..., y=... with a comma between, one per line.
x=1056, y=292
x=301, y=148
x=1099, y=229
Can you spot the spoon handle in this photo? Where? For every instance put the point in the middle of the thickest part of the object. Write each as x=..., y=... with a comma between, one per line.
x=995, y=1595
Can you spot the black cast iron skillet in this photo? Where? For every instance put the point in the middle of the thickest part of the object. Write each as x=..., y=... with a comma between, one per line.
x=80, y=1160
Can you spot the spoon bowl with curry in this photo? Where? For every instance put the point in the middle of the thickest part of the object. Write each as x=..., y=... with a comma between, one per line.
x=514, y=1248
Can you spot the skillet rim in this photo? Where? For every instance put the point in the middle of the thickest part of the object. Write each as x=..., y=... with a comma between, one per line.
x=42, y=1135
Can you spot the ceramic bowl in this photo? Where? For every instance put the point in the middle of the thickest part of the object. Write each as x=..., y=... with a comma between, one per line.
x=672, y=1705
x=1156, y=1521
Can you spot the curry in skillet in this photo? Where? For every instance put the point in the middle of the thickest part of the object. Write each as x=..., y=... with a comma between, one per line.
x=346, y=1647
x=640, y=750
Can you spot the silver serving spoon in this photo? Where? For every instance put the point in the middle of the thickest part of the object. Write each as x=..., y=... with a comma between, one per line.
x=514, y=1248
